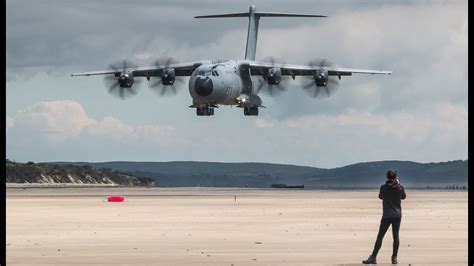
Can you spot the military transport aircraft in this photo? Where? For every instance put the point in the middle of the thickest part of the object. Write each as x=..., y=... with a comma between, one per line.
x=214, y=83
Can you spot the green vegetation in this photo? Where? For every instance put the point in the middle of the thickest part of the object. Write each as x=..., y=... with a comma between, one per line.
x=52, y=173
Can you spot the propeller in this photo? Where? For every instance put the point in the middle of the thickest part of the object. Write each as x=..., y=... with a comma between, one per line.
x=121, y=85
x=273, y=89
x=167, y=73
x=309, y=82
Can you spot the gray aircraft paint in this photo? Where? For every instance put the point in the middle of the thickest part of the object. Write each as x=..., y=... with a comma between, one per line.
x=252, y=34
x=227, y=86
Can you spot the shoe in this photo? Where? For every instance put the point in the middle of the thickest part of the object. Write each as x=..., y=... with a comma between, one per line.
x=370, y=260
x=394, y=260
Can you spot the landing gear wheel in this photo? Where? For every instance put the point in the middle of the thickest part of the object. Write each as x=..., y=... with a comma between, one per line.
x=204, y=111
x=254, y=111
x=251, y=111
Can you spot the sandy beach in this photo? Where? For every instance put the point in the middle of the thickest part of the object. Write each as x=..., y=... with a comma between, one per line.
x=210, y=226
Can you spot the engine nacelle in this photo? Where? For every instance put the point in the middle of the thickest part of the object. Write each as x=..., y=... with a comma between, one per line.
x=125, y=80
x=321, y=78
x=274, y=76
x=168, y=76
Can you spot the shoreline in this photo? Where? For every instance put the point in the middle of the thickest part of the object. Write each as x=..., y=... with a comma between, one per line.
x=78, y=185
x=57, y=185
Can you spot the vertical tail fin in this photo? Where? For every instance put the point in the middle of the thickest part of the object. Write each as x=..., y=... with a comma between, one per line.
x=252, y=31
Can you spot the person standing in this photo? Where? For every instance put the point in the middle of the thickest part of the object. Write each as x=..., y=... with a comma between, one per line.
x=391, y=193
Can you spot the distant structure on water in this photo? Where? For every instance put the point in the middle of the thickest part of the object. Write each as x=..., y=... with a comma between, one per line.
x=285, y=186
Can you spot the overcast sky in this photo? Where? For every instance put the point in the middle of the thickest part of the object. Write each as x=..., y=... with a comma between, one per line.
x=418, y=113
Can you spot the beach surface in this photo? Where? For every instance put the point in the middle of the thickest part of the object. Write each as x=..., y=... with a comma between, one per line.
x=217, y=226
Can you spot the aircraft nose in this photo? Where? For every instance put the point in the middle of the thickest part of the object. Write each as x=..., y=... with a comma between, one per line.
x=203, y=86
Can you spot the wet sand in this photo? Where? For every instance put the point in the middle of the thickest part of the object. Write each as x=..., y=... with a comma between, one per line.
x=207, y=226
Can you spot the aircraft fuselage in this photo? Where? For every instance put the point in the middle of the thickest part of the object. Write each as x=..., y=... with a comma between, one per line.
x=222, y=84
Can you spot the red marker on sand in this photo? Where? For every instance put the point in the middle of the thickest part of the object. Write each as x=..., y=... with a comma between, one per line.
x=115, y=199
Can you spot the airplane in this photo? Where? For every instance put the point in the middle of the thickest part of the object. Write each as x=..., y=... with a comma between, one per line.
x=215, y=83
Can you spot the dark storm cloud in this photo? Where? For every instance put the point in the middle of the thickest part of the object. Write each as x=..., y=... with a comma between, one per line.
x=418, y=113
x=422, y=42
x=59, y=33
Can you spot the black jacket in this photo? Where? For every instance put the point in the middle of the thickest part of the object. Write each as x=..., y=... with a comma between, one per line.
x=392, y=194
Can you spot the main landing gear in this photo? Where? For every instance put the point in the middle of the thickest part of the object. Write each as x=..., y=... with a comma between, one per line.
x=208, y=111
x=251, y=111
x=204, y=111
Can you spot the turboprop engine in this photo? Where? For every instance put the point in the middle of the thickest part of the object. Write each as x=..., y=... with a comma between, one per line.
x=274, y=76
x=321, y=78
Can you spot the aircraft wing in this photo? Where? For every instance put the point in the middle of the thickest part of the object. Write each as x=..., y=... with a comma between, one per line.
x=184, y=69
x=261, y=68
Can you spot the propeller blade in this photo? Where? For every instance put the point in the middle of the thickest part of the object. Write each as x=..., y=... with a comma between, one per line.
x=157, y=85
x=163, y=92
x=112, y=67
x=131, y=90
x=273, y=89
x=112, y=82
x=113, y=87
x=310, y=86
x=327, y=91
x=316, y=92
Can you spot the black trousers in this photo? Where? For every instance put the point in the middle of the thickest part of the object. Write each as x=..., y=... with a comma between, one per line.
x=384, y=224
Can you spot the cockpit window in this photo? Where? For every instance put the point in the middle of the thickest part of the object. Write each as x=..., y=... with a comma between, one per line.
x=205, y=73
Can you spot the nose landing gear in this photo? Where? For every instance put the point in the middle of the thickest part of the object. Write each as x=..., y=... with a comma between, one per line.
x=204, y=111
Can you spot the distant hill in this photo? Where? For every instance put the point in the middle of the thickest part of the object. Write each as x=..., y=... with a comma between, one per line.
x=360, y=175
x=72, y=174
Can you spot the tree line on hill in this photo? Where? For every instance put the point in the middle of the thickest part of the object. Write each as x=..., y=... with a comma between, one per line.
x=70, y=174
x=263, y=175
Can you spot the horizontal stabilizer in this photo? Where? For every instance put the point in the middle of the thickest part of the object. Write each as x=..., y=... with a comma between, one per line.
x=229, y=15
x=261, y=14
x=270, y=14
x=254, y=18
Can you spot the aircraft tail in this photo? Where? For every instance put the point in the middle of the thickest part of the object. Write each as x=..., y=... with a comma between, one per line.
x=252, y=32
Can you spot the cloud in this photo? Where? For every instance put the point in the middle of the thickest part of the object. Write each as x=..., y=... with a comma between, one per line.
x=417, y=113
x=61, y=121
x=426, y=48
x=353, y=136
x=117, y=131
x=262, y=123
x=58, y=120
x=62, y=129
